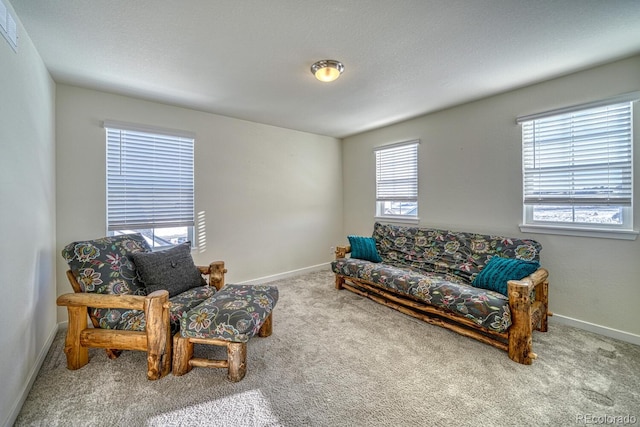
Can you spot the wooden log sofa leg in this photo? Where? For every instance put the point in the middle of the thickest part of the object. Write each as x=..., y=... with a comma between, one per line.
x=237, y=357
x=527, y=315
x=542, y=295
x=182, y=354
x=77, y=355
x=158, y=336
x=267, y=327
x=341, y=252
x=520, y=342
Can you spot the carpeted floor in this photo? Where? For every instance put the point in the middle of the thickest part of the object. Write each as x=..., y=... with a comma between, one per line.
x=337, y=359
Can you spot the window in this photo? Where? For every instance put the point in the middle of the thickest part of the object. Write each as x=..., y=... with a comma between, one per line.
x=578, y=169
x=397, y=181
x=150, y=184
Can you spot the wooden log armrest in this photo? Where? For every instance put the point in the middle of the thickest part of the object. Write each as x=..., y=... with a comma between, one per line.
x=536, y=278
x=155, y=339
x=527, y=315
x=342, y=251
x=130, y=302
x=521, y=289
x=216, y=272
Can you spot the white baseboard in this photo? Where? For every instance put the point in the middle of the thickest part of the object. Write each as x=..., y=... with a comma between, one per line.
x=286, y=274
x=597, y=329
x=33, y=373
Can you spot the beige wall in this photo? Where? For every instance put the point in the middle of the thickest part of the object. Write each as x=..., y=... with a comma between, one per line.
x=268, y=200
x=471, y=180
x=27, y=220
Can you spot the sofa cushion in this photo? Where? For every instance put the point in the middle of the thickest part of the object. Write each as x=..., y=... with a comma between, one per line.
x=485, y=308
x=499, y=271
x=171, y=269
x=104, y=266
x=134, y=320
x=461, y=253
x=234, y=313
x=364, y=248
x=182, y=303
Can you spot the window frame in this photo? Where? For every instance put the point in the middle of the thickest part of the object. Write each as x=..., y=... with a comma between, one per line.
x=624, y=230
x=161, y=151
x=410, y=198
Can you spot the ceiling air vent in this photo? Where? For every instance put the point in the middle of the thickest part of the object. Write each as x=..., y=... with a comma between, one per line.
x=8, y=26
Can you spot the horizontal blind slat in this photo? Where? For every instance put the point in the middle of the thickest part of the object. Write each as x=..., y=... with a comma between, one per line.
x=149, y=180
x=397, y=172
x=579, y=157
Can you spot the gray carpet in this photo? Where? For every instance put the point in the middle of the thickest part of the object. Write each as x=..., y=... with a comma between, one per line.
x=337, y=359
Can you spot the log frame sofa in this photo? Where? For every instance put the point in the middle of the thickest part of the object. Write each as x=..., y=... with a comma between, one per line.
x=527, y=307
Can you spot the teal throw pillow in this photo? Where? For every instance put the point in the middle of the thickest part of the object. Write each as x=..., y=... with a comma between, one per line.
x=498, y=271
x=364, y=248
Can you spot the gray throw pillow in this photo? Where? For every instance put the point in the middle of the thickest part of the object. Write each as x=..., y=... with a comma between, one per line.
x=171, y=269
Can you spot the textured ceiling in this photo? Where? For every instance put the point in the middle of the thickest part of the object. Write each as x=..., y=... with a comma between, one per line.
x=250, y=59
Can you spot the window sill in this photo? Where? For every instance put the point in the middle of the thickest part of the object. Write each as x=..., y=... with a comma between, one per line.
x=579, y=231
x=398, y=219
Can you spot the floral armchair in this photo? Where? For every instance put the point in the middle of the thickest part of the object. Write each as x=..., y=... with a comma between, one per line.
x=133, y=296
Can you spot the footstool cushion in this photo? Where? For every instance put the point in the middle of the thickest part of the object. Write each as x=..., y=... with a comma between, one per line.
x=234, y=313
x=228, y=318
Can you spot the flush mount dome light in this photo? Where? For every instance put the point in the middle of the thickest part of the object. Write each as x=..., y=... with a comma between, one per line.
x=327, y=70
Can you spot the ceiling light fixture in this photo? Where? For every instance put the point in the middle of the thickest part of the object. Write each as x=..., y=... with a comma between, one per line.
x=327, y=70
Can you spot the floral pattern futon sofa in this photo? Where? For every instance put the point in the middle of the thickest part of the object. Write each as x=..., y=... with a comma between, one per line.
x=438, y=273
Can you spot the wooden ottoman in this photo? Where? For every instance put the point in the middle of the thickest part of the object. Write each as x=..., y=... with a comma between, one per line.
x=228, y=318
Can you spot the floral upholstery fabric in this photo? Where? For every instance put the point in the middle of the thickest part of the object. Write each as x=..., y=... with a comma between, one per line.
x=235, y=313
x=104, y=266
x=185, y=301
x=459, y=253
x=438, y=266
x=485, y=308
x=134, y=320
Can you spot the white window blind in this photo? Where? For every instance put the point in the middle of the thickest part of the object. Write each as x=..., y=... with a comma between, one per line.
x=581, y=157
x=150, y=180
x=397, y=172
